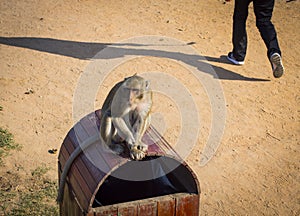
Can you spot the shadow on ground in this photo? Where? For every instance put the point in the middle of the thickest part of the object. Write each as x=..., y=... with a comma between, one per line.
x=89, y=50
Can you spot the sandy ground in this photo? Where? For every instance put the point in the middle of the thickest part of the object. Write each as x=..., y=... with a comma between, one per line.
x=46, y=46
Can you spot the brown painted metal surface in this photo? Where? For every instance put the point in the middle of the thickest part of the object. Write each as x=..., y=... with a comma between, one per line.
x=94, y=165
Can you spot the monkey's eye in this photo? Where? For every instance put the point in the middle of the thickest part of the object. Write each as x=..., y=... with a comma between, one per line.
x=135, y=90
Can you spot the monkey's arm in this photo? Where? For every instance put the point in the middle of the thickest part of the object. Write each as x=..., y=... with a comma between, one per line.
x=142, y=116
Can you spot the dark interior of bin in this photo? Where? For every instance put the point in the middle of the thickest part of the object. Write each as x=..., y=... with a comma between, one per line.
x=173, y=178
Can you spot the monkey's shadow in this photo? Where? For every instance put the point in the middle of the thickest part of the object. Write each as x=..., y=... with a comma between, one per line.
x=126, y=152
x=89, y=50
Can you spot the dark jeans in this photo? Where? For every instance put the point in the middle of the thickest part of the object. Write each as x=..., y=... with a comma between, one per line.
x=263, y=12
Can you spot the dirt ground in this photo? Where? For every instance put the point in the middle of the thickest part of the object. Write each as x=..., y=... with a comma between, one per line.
x=46, y=46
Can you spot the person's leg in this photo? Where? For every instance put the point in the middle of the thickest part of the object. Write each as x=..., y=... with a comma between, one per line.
x=263, y=10
x=239, y=35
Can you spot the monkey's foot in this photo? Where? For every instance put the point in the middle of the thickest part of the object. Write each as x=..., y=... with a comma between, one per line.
x=138, y=152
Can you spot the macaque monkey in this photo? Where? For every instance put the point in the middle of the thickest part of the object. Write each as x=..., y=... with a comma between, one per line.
x=126, y=116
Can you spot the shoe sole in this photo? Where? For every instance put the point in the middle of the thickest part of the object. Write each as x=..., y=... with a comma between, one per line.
x=278, y=71
x=234, y=61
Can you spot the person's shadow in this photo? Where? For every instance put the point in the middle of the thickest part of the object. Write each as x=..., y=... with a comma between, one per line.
x=225, y=74
x=89, y=50
x=79, y=50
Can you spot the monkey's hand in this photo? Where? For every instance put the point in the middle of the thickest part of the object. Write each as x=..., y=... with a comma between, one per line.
x=138, y=151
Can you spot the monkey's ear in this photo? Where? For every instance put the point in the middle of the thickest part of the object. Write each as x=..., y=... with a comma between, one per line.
x=147, y=82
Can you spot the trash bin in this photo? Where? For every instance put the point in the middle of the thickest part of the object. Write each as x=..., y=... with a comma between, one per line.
x=100, y=182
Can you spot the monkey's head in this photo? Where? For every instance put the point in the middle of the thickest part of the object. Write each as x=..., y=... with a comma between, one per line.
x=135, y=87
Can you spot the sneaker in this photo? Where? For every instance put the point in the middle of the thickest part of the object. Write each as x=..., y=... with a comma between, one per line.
x=277, y=65
x=231, y=58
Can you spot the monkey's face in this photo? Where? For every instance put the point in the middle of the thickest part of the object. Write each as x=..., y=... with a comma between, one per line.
x=134, y=95
x=135, y=88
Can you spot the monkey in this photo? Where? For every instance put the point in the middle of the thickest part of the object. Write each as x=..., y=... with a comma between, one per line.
x=126, y=116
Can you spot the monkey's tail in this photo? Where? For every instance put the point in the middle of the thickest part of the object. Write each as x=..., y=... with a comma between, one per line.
x=88, y=142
